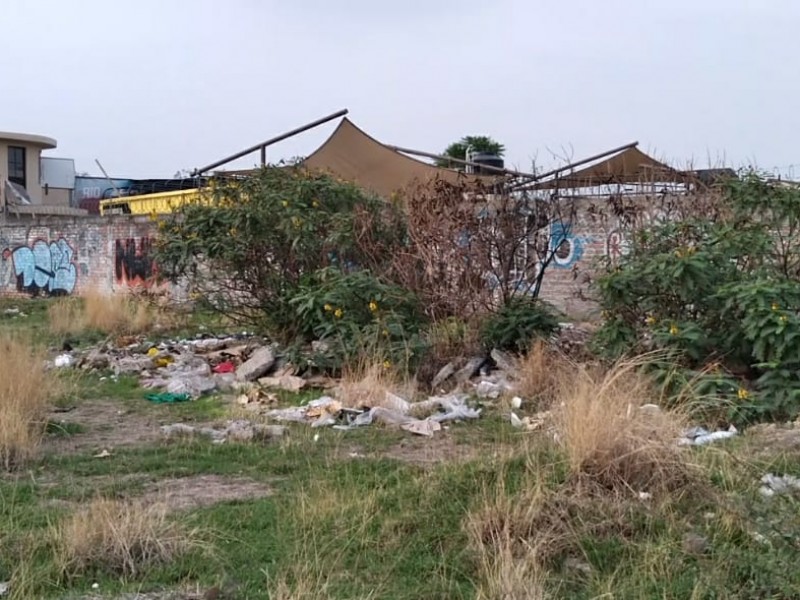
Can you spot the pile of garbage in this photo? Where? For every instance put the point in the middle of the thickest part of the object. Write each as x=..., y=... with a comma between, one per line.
x=420, y=418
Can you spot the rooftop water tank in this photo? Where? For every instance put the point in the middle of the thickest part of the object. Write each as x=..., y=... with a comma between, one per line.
x=490, y=160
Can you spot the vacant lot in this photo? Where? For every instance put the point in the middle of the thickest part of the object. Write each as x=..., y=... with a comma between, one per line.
x=108, y=507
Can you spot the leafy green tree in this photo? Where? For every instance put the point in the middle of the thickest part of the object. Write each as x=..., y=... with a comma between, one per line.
x=718, y=293
x=476, y=143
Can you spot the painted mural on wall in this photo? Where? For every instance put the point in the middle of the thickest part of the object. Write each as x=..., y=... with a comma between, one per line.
x=40, y=268
x=133, y=264
x=89, y=191
x=567, y=247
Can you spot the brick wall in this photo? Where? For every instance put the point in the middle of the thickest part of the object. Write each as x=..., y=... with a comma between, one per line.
x=59, y=255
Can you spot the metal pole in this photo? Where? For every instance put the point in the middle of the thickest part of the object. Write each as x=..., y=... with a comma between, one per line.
x=263, y=156
x=499, y=170
x=271, y=141
x=580, y=162
x=111, y=181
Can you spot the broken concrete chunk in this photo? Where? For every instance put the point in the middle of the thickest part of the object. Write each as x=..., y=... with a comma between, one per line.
x=445, y=373
x=259, y=363
x=488, y=389
x=290, y=383
x=503, y=360
x=469, y=370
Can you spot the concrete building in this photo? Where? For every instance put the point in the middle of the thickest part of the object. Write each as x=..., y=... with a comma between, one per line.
x=29, y=179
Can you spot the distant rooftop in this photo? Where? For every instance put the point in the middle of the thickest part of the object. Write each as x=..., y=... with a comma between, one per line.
x=28, y=138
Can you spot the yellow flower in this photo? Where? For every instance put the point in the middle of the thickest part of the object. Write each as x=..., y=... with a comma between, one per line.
x=285, y=203
x=373, y=306
x=338, y=313
x=328, y=308
x=385, y=333
x=679, y=253
x=673, y=329
x=315, y=203
x=650, y=320
x=775, y=306
x=297, y=222
x=233, y=231
x=784, y=318
x=387, y=364
x=743, y=394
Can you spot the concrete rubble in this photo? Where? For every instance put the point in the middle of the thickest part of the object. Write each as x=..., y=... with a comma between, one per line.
x=236, y=431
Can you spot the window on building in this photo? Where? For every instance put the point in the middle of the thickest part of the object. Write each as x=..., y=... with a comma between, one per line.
x=16, y=165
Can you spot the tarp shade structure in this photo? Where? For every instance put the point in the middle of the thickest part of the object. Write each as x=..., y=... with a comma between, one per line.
x=352, y=155
x=631, y=166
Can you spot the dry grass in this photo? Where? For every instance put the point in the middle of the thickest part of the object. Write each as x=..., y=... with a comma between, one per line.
x=26, y=387
x=371, y=383
x=608, y=437
x=124, y=538
x=111, y=314
x=540, y=372
x=505, y=546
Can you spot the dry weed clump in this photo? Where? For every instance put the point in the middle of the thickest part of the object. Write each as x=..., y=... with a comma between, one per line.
x=506, y=546
x=66, y=316
x=116, y=313
x=370, y=383
x=124, y=538
x=540, y=373
x=111, y=314
x=612, y=438
x=26, y=387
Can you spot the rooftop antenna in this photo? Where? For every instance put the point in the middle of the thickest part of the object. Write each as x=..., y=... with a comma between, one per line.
x=116, y=189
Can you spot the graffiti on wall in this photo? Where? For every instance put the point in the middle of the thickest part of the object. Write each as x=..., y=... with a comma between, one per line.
x=133, y=264
x=567, y=247
x=617, y=245
x=46, y=268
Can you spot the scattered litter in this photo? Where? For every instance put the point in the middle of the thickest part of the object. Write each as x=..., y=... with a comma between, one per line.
x=645, y=496
x=774, y=484
x=11, y=311
x=95, y=586
x=488, y=389
x=528, y=423
x=426, y=427
x=516, y=402
x=5, y=586
x=327, y=411
x=443, y=375
x=698, y=436
x=224, y=367
x=167, y=398
x=103, y=454
x=63, y=360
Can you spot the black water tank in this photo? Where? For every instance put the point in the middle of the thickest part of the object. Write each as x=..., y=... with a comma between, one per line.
x=490, y=160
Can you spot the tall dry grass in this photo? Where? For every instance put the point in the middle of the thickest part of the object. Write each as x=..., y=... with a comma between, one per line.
x=111, y=314
x=123, y=538
x=506, y=545
x=26, y=388
x=369, y=382
x=608, y=436
x=540, y=372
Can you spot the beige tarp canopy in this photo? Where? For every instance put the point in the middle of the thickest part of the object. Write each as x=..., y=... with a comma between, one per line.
x=352, y=155
x=631, y=166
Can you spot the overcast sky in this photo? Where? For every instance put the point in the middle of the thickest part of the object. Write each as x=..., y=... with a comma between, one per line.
x=153, y=86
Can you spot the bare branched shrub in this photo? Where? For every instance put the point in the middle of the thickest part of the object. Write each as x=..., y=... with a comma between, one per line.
x=472, y=246
x=123, y=538
x=26, y=387
x=608, y=436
